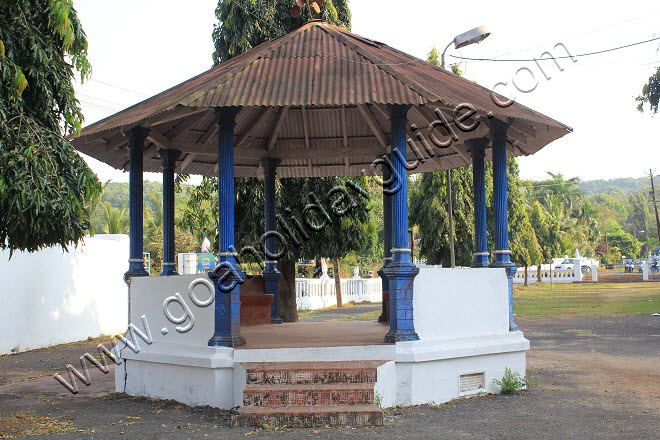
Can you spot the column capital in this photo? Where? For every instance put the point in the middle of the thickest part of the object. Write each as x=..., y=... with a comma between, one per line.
x=168, y=157
x=137, y=135
x=478, y=146
x=270, y=164
x=226, y=115
x=498, y=127
x=399, y=111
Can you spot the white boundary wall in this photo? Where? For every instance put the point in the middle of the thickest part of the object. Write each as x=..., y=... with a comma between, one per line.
x=52, y=297
x=317, y=293
x=460, y=314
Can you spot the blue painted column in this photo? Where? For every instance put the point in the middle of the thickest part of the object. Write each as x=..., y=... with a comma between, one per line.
x=168, y=161
x=270, y=273
x=400, y=272
x=502, y=254
x=136, y=137
x=227, y=276
x=478, y=149
x=387, y=239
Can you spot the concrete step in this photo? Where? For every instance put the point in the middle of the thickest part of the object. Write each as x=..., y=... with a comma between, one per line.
x=309, y=394
x=274, y=373
x=309, y=417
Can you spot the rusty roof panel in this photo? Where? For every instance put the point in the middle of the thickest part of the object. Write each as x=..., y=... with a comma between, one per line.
x=344, y=83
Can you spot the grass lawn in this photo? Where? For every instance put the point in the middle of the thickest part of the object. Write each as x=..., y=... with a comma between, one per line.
x=542, y=301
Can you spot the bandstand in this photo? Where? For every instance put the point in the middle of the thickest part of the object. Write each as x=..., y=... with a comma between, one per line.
x=318, y=102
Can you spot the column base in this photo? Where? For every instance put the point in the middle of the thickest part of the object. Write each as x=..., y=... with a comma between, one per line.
x=168, y=269
x=271, y=279
x=227, y=278
x=400, y=275
x=384, y=316
x=400, y=336
x=226, y=341
x=135, y=273
x=502, y=259
x=510, y=272
x=480, y=260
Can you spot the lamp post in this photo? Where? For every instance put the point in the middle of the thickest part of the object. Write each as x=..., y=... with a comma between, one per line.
x=476, y=35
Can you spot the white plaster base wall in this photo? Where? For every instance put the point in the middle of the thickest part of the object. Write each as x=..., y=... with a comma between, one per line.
x=52, y=297
x=412, y=373
x=460, y=314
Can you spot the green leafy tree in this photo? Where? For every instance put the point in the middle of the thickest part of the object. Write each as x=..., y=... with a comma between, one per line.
x=628, y=245
x=650, y=93
x=639, y=216
x=244, y=24
x=46, y=189
x=547, y=232
x=428, y=213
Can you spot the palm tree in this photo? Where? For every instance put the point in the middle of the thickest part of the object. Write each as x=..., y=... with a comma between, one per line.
x=116, y=220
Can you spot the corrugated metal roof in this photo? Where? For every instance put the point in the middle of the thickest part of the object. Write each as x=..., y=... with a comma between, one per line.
x=332, y=88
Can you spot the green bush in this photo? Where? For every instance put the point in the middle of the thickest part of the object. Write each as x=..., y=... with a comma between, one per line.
x=512, y=383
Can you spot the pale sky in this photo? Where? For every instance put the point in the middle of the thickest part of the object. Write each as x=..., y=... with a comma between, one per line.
x=140, y=47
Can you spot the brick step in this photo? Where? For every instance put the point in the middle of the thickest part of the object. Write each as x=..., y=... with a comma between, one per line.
x=274, y=373
x=309, y=394
x=309, y=417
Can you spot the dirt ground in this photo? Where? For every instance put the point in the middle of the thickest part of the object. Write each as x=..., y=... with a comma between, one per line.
x=595, y=378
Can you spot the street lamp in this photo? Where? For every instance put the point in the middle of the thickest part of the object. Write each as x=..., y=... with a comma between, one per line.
x=476, y=35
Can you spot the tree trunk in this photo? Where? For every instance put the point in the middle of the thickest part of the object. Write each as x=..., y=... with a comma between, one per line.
x=525, y=275
x=287, y=290
x=337, y=282
x=538, y=273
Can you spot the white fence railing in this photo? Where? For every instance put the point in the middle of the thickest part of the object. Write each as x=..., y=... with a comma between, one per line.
x=547, y=275
x=317, y=293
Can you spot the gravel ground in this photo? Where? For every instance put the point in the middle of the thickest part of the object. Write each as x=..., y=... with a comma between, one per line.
x=595, y=378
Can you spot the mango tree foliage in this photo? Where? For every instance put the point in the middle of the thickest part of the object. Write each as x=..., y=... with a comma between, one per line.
x=45, y=187
x=650, y=93
x=244, y=24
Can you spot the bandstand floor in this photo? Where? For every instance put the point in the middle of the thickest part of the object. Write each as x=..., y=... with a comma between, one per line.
x=314, y=334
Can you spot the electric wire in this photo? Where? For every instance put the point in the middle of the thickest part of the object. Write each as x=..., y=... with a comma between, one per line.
x=521, y=60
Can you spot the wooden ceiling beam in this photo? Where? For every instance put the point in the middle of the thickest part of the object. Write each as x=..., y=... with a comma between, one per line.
x=278, y=125
x=184, y=125
x=254, y=124
x=149, y=152
x=516, y=135
x=305, y=130
x=523, y=128
x=159, y=139
x=343, y=126
x=114, y=143
x=373, y=125
x=186, y=161
x=428, y=121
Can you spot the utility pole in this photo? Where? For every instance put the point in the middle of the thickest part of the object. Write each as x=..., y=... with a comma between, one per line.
x=452, y=256
x=655, y=204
